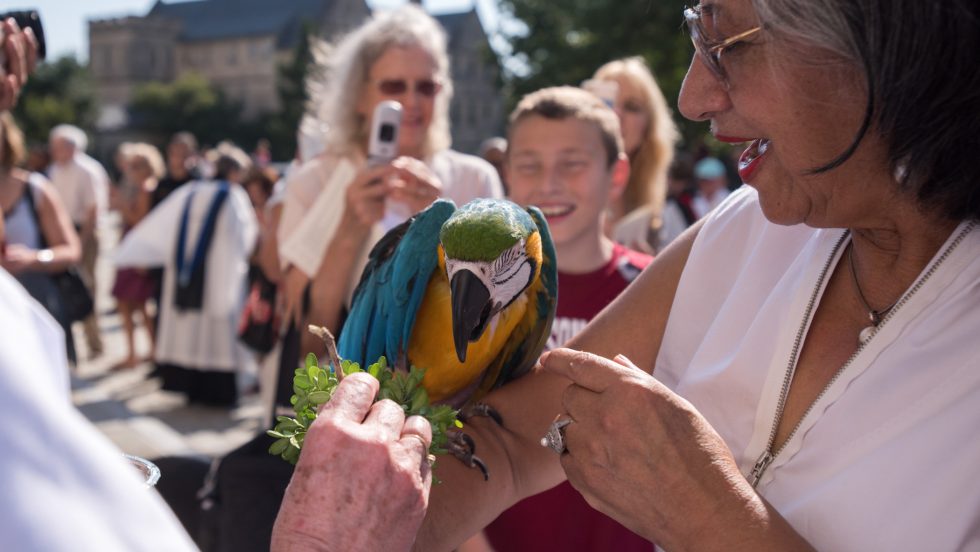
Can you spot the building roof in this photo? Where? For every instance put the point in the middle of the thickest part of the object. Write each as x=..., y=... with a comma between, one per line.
x=454, y=23
x=220, y=19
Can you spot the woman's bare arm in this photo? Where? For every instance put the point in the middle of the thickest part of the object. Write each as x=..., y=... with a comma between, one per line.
x=58, y=231
x=632, y=325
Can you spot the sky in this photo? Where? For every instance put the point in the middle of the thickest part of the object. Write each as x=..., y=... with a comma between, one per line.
x=66, y=21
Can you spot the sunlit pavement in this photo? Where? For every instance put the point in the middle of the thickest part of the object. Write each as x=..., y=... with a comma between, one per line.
x=129, y=407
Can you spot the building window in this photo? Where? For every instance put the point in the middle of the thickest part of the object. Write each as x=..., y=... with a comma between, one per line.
x=233, y=54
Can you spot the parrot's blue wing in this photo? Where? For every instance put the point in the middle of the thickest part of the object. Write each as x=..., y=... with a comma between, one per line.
x=392, y=287
x=528, y=340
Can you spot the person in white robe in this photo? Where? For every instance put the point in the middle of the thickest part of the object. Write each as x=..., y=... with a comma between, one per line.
x=197, y=351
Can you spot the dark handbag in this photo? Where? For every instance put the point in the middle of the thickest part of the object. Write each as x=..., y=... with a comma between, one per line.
x=258, y=327
x=76, y=301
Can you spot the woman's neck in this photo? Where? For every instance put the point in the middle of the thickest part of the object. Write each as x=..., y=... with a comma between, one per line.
x=890, y=255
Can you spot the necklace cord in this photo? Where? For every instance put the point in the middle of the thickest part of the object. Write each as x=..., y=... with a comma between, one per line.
x=874, y=315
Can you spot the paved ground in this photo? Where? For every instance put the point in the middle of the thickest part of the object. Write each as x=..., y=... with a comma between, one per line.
x=131, y=409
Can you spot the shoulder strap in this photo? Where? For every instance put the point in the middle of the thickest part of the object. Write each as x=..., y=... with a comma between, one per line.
x=28, y=196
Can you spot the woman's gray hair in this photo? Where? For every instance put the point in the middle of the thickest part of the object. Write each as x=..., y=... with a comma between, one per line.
x=343, y=74
x=920, y=60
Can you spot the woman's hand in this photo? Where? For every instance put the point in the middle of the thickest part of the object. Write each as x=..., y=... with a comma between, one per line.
x=362, y=482
x=18, y=258
x=414, y=183
x=644, y=456
x=365, y=201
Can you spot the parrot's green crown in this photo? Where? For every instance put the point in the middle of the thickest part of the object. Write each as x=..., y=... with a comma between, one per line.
x=483, y=228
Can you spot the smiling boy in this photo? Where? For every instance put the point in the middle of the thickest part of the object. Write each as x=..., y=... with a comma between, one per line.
x=565, y=155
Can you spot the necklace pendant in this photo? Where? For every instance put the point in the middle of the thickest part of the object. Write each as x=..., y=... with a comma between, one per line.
x=866, y=333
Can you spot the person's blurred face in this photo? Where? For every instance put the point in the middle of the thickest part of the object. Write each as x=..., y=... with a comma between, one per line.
x=708, y=186
x=560, y=165
x=256, y=194
x=178, y=158
x=633, y=117
x=137, y=170
x=408, y=76
x=61, y=150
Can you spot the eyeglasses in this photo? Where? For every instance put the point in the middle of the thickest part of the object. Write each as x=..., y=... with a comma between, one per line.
x=711, y=50
x=397, y=87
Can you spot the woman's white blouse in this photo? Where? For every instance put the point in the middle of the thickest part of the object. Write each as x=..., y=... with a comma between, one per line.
x=889, y=457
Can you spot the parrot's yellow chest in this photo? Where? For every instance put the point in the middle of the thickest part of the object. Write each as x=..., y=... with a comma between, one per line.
x=431, y=345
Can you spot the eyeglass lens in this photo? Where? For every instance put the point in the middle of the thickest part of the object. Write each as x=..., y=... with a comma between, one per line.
x=395, y=87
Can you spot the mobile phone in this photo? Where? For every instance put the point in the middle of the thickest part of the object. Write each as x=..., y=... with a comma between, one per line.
x=385, y=124
x=25, y=19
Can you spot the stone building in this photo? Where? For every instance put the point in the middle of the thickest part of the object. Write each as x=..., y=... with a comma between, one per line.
x=238, y=45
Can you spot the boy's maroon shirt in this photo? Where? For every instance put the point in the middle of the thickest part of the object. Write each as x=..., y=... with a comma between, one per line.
x=560, y=519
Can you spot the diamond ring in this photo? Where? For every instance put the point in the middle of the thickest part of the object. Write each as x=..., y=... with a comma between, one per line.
x=555, y=437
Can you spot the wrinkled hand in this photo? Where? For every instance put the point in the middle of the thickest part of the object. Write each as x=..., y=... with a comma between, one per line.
x=363, y=479
x=414, y=183
x=20, y=52
x=642, y=454
x=18, y=258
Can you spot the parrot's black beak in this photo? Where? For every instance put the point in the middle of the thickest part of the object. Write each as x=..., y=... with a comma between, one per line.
x=471, y=310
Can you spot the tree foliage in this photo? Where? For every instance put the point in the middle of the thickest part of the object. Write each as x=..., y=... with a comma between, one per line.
x=293, y=97
x=565, y=42
x=57, y=92
x=189, y=103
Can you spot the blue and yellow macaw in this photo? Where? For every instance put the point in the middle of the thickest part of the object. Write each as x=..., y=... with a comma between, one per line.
x=468, y=294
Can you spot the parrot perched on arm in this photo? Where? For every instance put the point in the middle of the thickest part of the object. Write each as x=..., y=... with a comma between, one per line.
x=467, y=294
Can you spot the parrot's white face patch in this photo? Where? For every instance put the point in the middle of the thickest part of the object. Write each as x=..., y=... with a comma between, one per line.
x=505, y=278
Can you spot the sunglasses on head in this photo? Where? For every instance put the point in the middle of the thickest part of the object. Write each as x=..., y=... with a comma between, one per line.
x=397, y=87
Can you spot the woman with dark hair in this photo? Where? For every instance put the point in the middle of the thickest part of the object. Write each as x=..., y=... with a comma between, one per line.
x=812, y=341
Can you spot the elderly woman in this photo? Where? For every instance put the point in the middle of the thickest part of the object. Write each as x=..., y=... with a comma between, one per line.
x=813, y=340
x=338, y=205
x=638, y=218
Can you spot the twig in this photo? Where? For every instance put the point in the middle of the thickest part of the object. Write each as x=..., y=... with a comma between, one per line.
x=331, y=344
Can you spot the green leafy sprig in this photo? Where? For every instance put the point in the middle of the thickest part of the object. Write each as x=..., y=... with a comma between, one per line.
x=313, y=386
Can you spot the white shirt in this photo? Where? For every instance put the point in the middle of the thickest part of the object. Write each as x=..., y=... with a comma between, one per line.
x=65, y=487
x=315, y=202
x=888, y=458
x=81, y=184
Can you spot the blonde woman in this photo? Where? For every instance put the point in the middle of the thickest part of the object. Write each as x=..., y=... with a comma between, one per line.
x=142, y=167
x=637, y=218
x=337, y=205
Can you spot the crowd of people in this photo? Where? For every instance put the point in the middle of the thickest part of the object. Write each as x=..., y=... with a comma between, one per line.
x=776, y=365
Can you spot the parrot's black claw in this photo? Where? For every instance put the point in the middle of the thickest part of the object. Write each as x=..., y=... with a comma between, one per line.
x=481, y=409
x=463, y=448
